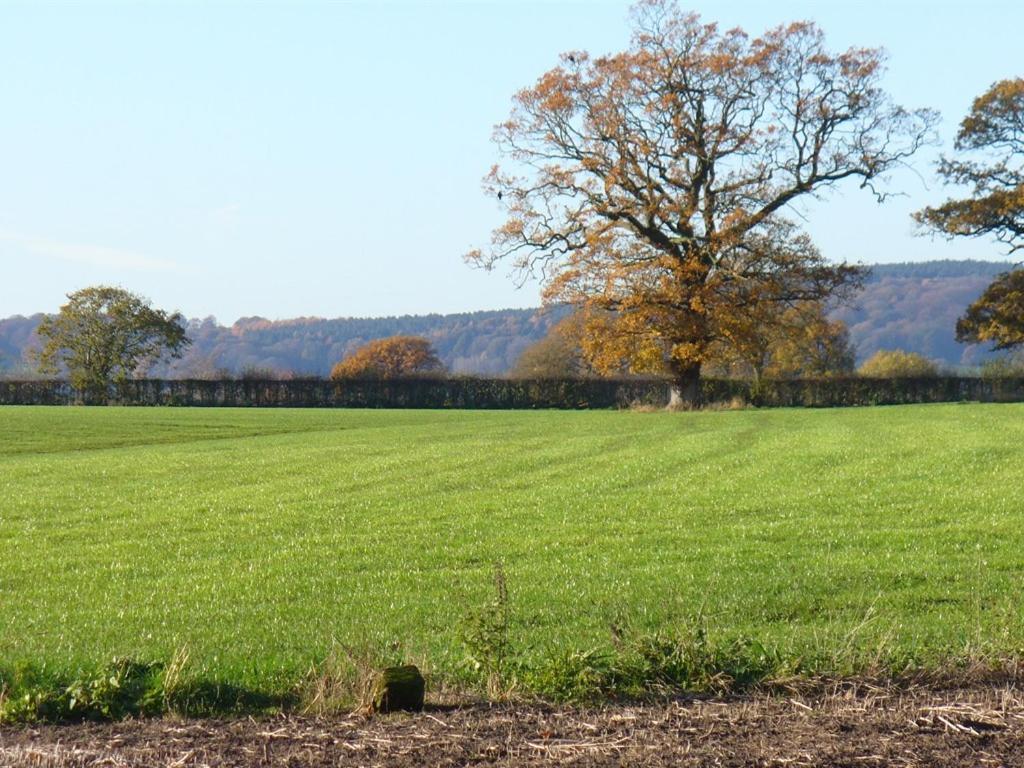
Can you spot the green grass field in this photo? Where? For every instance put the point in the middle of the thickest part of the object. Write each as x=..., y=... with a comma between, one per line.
x=260, y=540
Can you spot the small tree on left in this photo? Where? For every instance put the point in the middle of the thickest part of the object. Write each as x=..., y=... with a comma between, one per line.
x=103, y=335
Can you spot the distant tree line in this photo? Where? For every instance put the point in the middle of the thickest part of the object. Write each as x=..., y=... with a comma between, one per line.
x=902, y=306
x=104, y=336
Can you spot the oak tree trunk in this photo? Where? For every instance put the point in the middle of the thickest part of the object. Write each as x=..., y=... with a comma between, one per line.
x=685, y=390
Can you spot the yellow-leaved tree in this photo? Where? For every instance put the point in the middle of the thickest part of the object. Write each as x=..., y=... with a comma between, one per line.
x=556, y=356
x=800, y=341
x=897, y=364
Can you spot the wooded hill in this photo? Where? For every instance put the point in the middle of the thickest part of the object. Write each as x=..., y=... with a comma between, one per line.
x=914, y=307
x=910, y=306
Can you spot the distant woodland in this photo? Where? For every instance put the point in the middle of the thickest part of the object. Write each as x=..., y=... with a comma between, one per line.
x=909, y=306
x=914, y=307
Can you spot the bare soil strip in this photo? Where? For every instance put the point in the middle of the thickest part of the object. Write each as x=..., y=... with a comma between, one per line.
x=856, y=726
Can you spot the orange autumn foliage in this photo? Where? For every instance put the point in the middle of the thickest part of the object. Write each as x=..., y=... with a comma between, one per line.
x=390, y=358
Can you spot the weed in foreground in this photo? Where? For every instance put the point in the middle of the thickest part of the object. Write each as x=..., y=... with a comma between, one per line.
x=486, y=637
x=125, y=687
x=646, y=665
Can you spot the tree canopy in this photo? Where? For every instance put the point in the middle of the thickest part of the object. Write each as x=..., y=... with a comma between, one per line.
x=990, y=145
x=103, y=335
x=647, y=187
x=389, y=358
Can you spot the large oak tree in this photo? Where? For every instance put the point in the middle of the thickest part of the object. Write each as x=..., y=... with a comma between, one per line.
x=647, y=187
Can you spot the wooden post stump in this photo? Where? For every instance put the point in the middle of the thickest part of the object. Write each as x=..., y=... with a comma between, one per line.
x=398, y=689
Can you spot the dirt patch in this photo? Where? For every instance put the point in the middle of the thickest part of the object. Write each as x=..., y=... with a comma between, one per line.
x=854, y=726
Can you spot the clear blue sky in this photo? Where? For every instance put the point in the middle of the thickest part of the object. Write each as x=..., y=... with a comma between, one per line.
x=325, y=159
